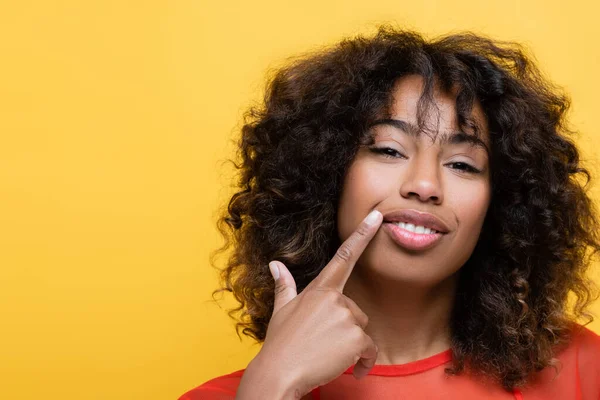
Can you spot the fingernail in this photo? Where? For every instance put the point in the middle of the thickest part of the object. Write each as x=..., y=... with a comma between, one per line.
x=274, y=270
x=372, y=217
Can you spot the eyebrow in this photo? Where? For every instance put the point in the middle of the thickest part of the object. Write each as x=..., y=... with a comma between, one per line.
x=413, y=130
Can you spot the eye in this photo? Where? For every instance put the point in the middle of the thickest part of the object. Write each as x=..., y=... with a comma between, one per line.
x=387, y=152
x=464, y=167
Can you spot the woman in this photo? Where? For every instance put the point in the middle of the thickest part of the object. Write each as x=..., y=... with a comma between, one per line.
x=477, y=229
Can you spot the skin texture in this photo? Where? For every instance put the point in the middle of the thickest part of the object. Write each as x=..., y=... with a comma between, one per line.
x=409, y=294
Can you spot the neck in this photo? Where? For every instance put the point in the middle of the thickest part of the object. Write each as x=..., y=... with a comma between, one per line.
x=407, y=322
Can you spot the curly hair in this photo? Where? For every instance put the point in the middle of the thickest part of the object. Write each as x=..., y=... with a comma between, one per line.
x=513, y=307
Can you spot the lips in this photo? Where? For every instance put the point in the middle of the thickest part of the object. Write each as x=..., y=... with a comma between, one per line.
x=410, y=240
x=417, y=218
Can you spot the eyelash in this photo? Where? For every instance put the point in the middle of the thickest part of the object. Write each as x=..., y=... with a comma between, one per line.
x=385, y=151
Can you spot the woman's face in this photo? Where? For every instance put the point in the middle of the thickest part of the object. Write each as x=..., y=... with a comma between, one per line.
x=433, y=190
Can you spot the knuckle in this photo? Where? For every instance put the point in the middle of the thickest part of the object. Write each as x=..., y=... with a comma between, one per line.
x=367, y=342
x=347, y=315
x=344, y=252
x=351, y=303
x=357, y=335
x=328, y=295
x=280, y=289
x=334, y=297
x=365, y=319
x=363, y=230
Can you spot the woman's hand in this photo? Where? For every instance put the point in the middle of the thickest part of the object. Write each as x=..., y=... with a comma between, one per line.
x=315, y=336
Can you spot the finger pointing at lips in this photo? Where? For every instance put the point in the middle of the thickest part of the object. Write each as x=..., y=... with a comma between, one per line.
x=314, y=336
x=336, y=273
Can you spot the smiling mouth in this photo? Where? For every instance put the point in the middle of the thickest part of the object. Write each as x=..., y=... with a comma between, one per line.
x=412, y=237
x=416, y=221
x=418, y=229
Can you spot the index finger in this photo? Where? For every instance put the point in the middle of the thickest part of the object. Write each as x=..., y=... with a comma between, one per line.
x=336, y=273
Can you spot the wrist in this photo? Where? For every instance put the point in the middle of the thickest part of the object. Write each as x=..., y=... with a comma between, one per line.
x=264, y=379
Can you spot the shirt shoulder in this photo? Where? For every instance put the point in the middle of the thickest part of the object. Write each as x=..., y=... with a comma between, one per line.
x=583, y=352
x=587, y=362
x=222, y=387
x=586, y=339
x=575, y=373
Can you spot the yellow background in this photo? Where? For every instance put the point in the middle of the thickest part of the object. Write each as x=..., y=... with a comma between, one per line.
x=115, y=117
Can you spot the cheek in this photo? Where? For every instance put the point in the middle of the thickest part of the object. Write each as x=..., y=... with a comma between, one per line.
x=471, y=205
x=364, y=188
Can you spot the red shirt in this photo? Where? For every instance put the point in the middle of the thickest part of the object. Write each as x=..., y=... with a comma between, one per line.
x=578, y=378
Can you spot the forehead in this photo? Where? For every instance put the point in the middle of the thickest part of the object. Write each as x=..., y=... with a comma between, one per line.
x=435, y=114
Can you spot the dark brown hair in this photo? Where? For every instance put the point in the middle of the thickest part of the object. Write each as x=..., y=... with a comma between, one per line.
x=511, y=312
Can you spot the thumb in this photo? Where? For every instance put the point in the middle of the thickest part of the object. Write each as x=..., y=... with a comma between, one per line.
x=285, y=285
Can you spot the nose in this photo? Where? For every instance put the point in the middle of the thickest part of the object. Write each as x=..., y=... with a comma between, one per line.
x=422, y=181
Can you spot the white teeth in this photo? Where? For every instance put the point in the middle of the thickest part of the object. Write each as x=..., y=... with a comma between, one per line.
x=416, y=229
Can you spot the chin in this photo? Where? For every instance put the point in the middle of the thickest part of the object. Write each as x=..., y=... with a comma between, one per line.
x=418, y=269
